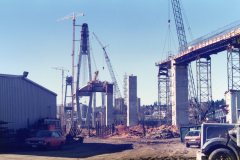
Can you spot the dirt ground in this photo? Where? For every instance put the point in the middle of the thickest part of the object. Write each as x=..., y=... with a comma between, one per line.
x=110, y=148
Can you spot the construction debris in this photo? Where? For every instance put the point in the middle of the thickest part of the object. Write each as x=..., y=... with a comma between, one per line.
x=161, y=132
x=137, y=131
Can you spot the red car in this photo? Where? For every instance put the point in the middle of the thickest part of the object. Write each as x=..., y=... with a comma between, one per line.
x=46, y=139
x=193, y=138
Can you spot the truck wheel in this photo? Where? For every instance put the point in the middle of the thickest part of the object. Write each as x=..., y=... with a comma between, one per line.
x=222, y=153
x=187, y=145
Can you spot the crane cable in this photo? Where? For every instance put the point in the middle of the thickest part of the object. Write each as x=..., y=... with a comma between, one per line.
x=187, y=22
x=92, y=55
x=169, y=42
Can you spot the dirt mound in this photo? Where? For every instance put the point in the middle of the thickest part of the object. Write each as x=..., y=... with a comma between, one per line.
x=161, y=132
x=121, y=129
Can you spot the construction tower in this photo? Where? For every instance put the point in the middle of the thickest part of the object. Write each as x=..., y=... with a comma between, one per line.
x=68, y=107
x=84, y=72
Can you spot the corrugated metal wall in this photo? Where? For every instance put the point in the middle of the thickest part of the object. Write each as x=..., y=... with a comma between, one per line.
x=23, y=102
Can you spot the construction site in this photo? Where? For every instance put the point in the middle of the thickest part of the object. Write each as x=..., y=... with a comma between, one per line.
x=99, y=117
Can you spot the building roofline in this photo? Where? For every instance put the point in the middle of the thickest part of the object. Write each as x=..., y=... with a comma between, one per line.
x=28, y=80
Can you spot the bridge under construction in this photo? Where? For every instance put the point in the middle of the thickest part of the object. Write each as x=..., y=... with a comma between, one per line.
x=174, y=75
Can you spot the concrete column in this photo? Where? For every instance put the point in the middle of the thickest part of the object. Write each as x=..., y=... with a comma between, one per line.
x=103, y=109
x=119, y=104
x=138, y=107
x=132, y=117
x=179, y=94
x=232, y=98
x=93, y=110
x=89, y=111
x=109, y=104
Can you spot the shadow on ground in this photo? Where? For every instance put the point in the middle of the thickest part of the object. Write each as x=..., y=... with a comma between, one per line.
x=83, y=150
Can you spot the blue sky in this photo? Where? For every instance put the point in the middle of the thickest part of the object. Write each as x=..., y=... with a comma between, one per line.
x=32, y=40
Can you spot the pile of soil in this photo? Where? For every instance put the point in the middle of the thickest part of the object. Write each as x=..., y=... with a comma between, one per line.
x=161, y=132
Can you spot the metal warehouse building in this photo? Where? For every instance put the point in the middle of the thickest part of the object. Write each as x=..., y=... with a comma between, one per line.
x=23, y=102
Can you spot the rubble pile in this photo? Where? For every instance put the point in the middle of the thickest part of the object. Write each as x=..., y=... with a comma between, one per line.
x=136, y=131
x=161, y=132
x=121, y=130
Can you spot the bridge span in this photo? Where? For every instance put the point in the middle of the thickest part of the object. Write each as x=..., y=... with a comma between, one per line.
x=173, y=75
x=201, y=48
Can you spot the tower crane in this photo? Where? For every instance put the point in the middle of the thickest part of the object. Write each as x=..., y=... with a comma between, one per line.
x=110, y=68
x=72, y=17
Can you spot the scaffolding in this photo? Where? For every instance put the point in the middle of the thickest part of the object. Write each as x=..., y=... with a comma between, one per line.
x=125, y=88
x=68, y=107
x=164, y=107
x=204, y=85
x=233, y=68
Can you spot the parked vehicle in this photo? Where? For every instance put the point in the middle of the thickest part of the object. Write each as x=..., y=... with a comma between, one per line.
x=46, y=139
x=193, y=138
x=47, y=124
x=220, y=141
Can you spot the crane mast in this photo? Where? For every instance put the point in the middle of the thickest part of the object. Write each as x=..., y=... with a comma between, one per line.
x=182, y=40
x=72, y=17
x=110, y=68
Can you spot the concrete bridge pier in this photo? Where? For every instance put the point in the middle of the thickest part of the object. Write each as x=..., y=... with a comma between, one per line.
x=179, y=94
x=109, y=119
